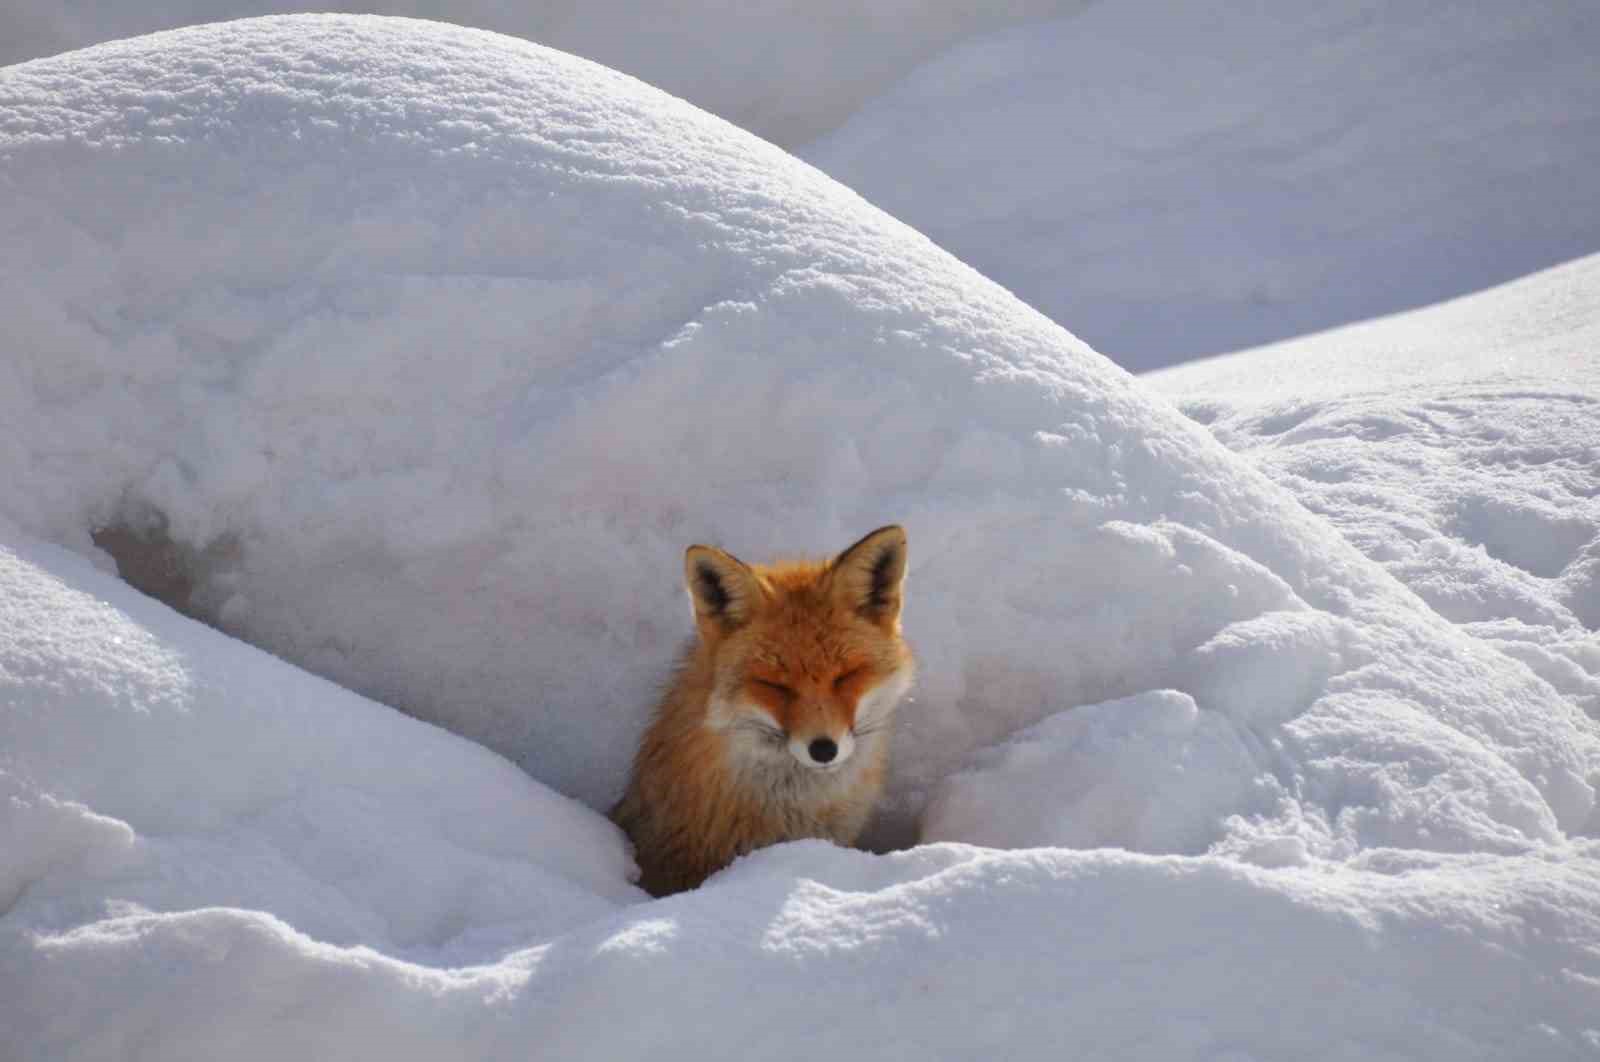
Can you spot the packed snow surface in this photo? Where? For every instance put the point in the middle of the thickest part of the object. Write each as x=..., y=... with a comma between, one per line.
x=1171, y=180
x=416, y=355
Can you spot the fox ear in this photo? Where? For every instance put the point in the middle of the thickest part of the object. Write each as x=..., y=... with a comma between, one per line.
x=869, y=575
x=724, y=590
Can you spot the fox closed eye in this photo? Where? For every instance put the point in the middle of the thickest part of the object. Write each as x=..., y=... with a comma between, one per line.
x=774, y=735
x=776, y=687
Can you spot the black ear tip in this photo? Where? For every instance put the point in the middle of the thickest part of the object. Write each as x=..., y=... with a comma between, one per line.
x=890, y=541
x=887, y=537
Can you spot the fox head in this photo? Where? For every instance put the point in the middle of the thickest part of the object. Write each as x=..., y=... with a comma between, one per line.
x=806, y=658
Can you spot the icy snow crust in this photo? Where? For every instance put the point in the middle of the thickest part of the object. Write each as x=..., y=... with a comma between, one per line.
x=1172, y=180
x=420, y=353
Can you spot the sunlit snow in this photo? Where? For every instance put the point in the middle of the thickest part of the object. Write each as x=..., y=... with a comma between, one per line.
x=415, y=355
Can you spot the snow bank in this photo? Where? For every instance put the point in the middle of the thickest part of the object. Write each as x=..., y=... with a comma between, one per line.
x=1539, y=330
x=1456, y=445
x=1337, y=163
x=788, y=70
x=1171, y=180
x=942, y=952
x=416, y=355
x=175, y=767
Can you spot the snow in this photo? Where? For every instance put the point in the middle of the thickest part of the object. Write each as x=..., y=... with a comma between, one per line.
x=1413, y=959
x=237, y=780
x=1340, y=161
x=1174, y=180
x=415, y=355
x=788, y=70
x=1457, y=445
x=1538, y=331
x=1149, y=772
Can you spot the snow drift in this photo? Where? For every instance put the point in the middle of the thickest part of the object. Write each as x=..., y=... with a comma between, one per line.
x=788, y=70
x=416, y=355
x=1456, y=445
x=1171, y=180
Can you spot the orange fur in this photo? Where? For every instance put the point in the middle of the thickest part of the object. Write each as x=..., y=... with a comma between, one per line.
x=789, y=659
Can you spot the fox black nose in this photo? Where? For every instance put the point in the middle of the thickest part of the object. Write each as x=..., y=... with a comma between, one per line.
x=823, y=750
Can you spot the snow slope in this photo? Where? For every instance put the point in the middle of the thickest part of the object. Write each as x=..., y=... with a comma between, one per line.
x=237, y=780
x=1173, y=180
x=1458, y=445
x=1168, y=180
x=416, y=355
x=788, y=70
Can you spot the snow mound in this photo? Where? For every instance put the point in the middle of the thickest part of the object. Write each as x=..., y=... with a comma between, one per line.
x=416, y=355
x=1104, y=774
x=1456, y=445
x=1172, y=180
x=945, y=951
x=174, y=767
x=786, y=70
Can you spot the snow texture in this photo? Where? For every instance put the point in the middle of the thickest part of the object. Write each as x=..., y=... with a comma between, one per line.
x=416, y=355
x=1167, y=180
x=1173, y=180
x=1457, y=445
x=787, y=70
x=238, y=781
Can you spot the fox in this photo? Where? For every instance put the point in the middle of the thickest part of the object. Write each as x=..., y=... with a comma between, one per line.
x=775, y=725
